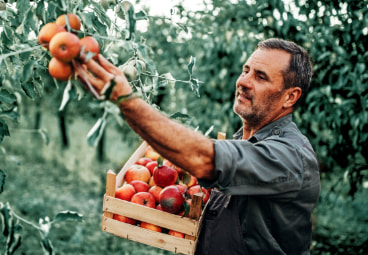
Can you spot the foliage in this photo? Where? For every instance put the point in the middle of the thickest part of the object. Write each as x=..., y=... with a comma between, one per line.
x=216, y=41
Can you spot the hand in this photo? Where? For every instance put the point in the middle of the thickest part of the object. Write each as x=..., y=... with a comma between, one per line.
x=96, y=76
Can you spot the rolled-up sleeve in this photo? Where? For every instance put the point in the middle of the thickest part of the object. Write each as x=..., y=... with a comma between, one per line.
x=271, y=167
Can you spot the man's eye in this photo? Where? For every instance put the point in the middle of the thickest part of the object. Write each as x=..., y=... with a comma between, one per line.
x=261, y=77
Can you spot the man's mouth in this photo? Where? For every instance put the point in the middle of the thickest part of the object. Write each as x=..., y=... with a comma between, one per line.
x=240, y=95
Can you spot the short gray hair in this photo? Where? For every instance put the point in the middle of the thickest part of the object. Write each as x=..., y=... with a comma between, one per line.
x=299, y=73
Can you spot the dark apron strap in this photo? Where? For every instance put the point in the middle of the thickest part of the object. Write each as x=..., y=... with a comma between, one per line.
x=221, y=232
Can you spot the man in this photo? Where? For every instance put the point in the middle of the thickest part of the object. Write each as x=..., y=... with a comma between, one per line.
x=266, y=178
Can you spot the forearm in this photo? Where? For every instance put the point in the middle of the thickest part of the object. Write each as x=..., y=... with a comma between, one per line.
x=184, y=147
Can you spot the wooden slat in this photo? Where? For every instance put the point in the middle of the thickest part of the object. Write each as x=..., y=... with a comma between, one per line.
x=110, y=189
x=221, y=135
x=149, y=237
x=150, y=215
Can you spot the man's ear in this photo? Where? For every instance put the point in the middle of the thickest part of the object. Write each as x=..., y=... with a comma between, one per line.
x=291, y=96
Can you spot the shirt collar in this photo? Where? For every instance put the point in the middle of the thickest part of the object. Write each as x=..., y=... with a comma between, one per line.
x=273, y=128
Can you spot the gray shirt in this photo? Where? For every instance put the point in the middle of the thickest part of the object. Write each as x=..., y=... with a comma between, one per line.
x=275, y=178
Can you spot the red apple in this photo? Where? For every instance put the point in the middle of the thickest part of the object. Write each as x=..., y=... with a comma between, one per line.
x=171, y=199
x=137, y=172
x=150, y=226
x=125, y=192
x=176, y=233
x=144, y=198
x=143, y=161
x=140, y=186
x=170, y=164
x=196, y=189
x=151, y=182
x=151, y=166
x=165, y=176
x=193, y=181
x=181, y=187
x=124, y=219
x=158, y=207
x=151, y=153
x=155, y=191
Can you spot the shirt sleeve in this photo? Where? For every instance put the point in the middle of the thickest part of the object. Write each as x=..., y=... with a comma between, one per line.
x=270, y=168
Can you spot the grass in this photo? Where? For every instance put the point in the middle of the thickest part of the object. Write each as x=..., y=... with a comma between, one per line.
x=43, y=180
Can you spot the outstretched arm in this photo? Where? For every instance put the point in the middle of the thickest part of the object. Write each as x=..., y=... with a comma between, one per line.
x=184, y=147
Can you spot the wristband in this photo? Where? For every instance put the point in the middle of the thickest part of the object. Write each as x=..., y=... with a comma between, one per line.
x=125, y=98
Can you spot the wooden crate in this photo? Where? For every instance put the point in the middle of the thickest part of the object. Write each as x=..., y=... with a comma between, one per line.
x=190, y=226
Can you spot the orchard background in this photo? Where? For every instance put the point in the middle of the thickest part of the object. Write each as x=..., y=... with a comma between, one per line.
x=57, y=142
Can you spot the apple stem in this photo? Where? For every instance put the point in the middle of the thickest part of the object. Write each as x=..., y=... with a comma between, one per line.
x=160, y=161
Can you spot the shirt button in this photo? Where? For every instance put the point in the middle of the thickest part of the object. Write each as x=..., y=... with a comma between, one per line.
x=276, y=131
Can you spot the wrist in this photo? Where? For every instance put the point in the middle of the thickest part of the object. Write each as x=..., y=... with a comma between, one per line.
x=127, y=97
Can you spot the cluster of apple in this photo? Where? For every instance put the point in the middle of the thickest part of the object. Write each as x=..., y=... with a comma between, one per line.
x=156, y=183
x=65, y=46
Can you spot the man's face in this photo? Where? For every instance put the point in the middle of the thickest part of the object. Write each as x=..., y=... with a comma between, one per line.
x=259, y=88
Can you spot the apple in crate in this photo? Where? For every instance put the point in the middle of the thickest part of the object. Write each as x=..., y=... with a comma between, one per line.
x=202, y=191
x=124, y=219
x=176, y=233
x=151, y=166
x=164, y=175
x=139, y=186
x=125, y=192
x=172, y=200
x=150, y=226
x=143, y=161
x=137, y=172
x=151, y=153
x=155, y=191
x=144, y=198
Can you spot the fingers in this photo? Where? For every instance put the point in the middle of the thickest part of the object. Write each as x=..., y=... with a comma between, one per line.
x=99, y=71
x=108, y=65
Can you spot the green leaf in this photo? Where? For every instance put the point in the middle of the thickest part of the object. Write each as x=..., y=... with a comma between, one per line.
x=67, y=95
x=186, y=209
x=30, y=90
x=131, y=22
x=191, y=65
x=27, y=71
x=96, y=132
x=68, y=215
x=44, y=135
x=47, y=246
x=194, y=83
x=2, y=180
x=14, y=239
x=183, y=27
x=6, y=97
x=186, y=177
x=10, y=114
x=4, y=131
x=179, y=115
x=141, y=15
x=160, y=161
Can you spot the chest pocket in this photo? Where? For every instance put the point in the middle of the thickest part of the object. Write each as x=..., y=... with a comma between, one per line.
x=221, y=231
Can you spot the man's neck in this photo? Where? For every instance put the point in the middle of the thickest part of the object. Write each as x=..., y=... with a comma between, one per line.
x=250, y=129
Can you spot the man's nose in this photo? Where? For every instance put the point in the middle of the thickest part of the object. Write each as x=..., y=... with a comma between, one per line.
x=244, y=80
